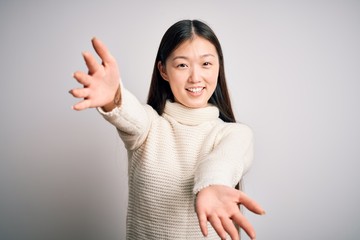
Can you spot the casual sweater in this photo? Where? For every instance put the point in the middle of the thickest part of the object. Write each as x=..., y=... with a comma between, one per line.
x=171, y=158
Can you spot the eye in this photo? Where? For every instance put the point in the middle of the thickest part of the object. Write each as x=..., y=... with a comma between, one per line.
x=207, y=64
x=181, y=65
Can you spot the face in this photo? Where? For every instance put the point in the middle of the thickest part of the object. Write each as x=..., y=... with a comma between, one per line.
x=192, y=71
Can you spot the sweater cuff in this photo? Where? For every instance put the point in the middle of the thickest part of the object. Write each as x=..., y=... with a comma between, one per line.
x=207, y=183
x=130, y=111
x=202, y=182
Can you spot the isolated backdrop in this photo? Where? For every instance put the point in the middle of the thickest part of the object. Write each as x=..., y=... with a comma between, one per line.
x=293, y=69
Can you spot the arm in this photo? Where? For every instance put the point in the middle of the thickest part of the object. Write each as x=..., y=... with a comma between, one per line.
x=217, y=201
x=229, y=160
x=131, y=119
x=102, y=89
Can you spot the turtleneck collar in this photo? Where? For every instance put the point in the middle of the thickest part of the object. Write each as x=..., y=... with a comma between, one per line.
x=191, y=116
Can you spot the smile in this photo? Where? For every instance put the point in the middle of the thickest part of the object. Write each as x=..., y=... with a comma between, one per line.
x=195, y=90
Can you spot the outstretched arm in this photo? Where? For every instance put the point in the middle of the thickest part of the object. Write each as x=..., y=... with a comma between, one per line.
x=215, y=177
x=101, y=83
x=220, y=206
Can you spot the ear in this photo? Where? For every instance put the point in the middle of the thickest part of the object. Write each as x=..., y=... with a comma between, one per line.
x=162, y=70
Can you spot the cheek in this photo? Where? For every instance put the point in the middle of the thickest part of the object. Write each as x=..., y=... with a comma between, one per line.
x=213, y=84
x=213, y=77
x=176, y=84
x=213, y=74
x=177, y=79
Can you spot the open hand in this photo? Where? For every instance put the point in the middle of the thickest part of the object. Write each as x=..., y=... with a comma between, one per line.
x=220, y=206
x=101, y=82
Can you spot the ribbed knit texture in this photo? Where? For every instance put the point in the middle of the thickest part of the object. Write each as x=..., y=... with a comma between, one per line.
x=173, y=156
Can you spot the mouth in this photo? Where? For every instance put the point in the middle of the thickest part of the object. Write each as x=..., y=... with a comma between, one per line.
x=195, y=89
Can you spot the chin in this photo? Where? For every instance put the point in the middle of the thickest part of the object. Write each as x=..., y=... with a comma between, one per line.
x=195, y=105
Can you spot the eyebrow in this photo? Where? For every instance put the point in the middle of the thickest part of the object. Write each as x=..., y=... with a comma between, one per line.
x=202, y=56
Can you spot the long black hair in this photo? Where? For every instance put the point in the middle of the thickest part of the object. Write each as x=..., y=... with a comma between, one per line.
x=160, y=90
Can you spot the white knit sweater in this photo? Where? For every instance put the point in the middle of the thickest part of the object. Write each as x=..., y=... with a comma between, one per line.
x=171, y=158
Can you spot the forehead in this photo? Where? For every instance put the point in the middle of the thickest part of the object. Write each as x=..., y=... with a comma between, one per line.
x=197, y=46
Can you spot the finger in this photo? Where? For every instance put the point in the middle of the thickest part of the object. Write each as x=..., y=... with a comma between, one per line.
x=82, y=105
x=230, y=228
x=203, y=224
x=250, y=204
x=217, y=225
x=91, y=62
x=82, y=78
x=102, y=51
x=242, y=222
x=80, y=92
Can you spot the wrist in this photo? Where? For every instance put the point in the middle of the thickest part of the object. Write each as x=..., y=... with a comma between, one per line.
x=115, y=102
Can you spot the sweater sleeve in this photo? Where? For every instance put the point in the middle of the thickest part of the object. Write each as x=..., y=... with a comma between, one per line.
x=132, y=119
x=228, y=161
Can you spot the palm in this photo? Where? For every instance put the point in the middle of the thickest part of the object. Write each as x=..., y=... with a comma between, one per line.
x=220, y=206
x=100, y=83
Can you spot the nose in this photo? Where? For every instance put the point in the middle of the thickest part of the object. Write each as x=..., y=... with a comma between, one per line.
x=195, y=75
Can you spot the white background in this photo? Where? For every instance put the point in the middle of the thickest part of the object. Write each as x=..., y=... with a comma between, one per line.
x=293, y=69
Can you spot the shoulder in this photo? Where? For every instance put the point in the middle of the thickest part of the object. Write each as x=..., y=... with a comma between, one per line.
x=238, y=128
x=237, y=133
x=232, y=133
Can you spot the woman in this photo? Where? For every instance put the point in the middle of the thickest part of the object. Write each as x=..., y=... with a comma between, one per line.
x=186, y=152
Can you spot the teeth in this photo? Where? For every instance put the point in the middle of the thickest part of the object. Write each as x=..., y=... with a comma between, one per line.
x=195, y=90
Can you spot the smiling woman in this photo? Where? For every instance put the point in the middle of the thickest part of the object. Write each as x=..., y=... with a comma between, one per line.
x=180, y=33
x=192, y=70
x=184, y=147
